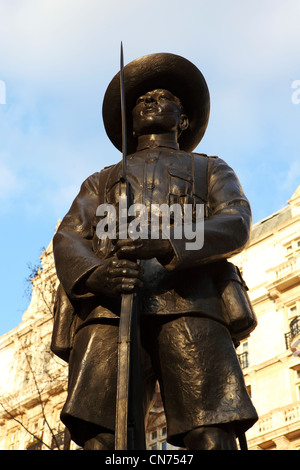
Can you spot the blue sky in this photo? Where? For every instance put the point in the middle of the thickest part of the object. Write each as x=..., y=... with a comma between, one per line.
x=56, y=60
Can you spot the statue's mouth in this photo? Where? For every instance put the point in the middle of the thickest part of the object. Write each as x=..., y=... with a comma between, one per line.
x=151, y=110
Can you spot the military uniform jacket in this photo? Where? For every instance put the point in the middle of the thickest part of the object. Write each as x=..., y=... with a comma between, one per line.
x=187, y=284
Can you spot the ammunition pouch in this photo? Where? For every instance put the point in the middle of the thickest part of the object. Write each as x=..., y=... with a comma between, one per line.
x=238, y=312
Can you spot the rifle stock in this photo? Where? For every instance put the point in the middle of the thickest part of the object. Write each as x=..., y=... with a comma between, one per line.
x=121, y=438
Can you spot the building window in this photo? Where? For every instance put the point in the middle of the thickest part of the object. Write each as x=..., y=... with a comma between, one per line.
x=243, y=357
x=157, y=438
x=295, y=326
x=244, y=360
x=287, y=339
x=292, y=311
x=297, y=381
x=291, y=248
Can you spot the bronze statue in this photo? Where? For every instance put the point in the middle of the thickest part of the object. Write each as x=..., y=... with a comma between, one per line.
x=188, y=332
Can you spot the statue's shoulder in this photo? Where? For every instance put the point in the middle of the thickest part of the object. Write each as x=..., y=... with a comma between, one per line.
x=204, y=155
x=108, y=167
x=92, y=182
x=106, y=171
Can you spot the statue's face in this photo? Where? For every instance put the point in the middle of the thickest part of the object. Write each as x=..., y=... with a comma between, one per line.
x=157, y=112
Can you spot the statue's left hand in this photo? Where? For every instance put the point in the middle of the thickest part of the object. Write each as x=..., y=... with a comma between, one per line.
x=143, y=249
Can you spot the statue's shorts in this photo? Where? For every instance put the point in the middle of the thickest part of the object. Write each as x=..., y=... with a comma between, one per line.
x=193, y=359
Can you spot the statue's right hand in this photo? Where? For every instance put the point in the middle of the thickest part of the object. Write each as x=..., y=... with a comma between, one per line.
x=115, y=277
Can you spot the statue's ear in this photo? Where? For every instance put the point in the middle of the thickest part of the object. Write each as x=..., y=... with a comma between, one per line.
x=184, y=123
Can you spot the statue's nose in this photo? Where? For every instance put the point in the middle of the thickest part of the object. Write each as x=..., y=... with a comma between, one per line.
x=149, y=99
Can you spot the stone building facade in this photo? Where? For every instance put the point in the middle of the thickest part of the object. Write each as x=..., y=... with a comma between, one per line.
x=33, y=382
x=270, y=357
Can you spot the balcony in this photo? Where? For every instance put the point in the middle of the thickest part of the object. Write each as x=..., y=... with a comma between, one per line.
x=283, y=276
x=244, y=359
x=295, y=336
x=276, y=422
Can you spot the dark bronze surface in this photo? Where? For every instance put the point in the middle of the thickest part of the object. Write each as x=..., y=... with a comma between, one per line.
x=164, y=70
x=188, y=333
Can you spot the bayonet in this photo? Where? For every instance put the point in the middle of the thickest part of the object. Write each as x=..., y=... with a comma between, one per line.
x=123, y=114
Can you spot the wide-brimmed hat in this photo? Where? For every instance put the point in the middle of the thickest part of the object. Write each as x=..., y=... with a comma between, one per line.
x=166, y=71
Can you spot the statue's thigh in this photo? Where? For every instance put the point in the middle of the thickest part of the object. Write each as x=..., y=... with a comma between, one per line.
x=200, y=378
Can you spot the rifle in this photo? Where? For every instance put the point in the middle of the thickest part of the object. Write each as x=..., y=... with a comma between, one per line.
x=243, y=441
x=129, y=432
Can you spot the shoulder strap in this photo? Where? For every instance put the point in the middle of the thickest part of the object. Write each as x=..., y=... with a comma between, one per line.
x=103, y=180
x=200, y=184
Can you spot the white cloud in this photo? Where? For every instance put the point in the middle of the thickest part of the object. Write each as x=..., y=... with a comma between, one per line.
x=51, y=38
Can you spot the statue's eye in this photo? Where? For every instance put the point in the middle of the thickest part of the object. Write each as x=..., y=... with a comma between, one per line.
x=141, y=99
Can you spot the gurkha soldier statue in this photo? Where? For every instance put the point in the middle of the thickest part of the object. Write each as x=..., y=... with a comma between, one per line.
x=192, y=304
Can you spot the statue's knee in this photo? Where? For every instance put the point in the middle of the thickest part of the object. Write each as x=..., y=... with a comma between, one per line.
x=211, y=438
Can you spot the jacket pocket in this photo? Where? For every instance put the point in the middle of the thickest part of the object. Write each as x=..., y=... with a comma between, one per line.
x=181, y=190
x=180, y=181
x=180, y=186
